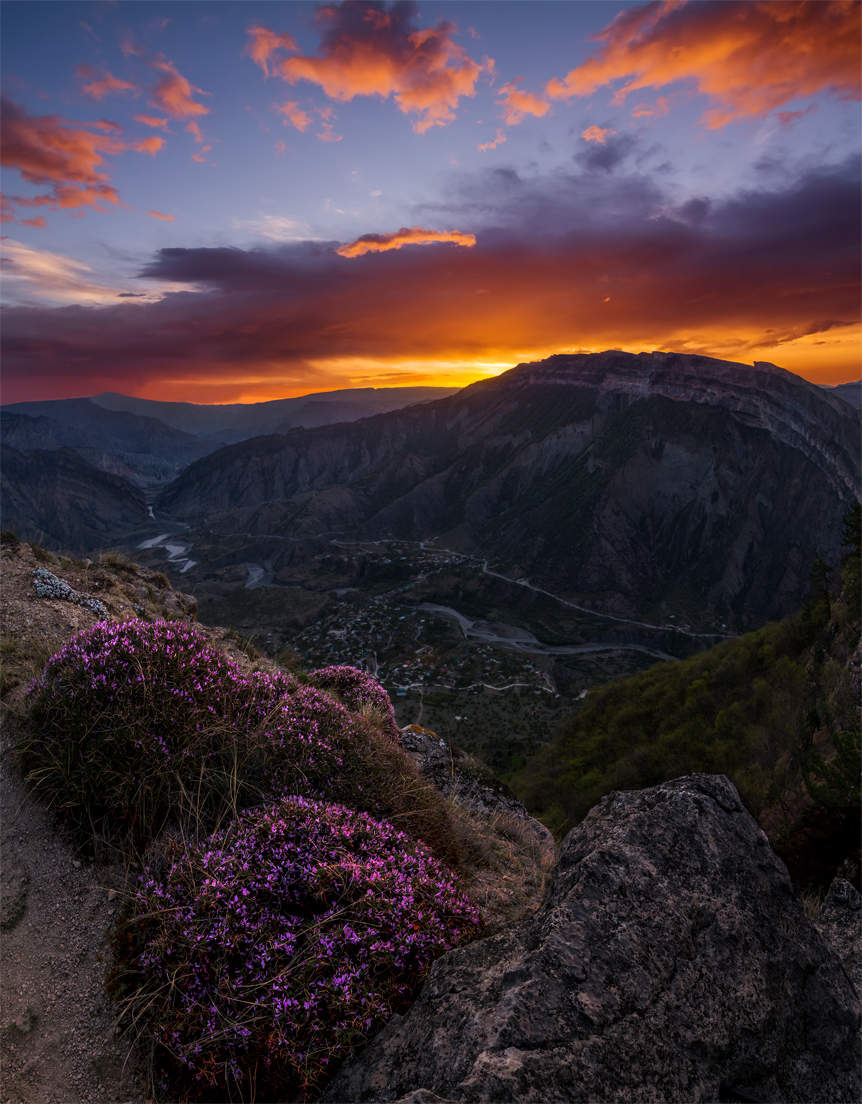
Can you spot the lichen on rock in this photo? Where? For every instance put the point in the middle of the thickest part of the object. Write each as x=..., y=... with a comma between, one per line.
x=48, y=585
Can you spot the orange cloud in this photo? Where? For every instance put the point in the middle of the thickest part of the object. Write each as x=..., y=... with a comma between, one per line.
x=264, y=43
x=407, y=235
x=644, y=110
x=148, y=145
x=38, y=221
x=99, y=88
x=497, y=140
x=107, y=126
x=174, y=95
x=195, y=131
x=597, y=134
x=517, y=103
x=748, y=59
x=152, y=121
x=294, y=115
x=366, y=50
x=159, y=215
x=46, y=150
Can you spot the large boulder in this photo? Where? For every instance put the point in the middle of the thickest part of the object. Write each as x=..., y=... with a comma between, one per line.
x=670, y=961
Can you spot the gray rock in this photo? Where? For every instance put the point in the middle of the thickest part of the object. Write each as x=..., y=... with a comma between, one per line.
x=423, y=1096
x=840, y=924
x=47, y=585
x=671, y=961
x=467, y=781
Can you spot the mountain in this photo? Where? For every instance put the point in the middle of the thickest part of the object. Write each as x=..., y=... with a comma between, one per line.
x=137, y=447
x=652, y=484
x=232, y=422
x=850, y=392
x=57, y=498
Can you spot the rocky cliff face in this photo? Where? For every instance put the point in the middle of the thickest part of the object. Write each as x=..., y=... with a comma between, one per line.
x=669, y=962
x=648, y=484
x=56, y=498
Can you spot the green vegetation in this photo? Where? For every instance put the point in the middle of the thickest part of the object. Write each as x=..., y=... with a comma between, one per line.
x=776, y=710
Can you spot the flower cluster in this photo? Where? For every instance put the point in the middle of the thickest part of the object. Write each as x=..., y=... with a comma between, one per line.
x=134, y=724
x=296, y=932
x=360, y=692
x=132, y=720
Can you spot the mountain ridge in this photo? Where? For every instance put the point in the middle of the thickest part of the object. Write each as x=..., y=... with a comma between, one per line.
x=624, y=487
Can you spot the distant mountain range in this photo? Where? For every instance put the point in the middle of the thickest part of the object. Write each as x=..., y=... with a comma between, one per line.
x=150, y=442
x=850, y=392
x=641, y=482
x=227, y=424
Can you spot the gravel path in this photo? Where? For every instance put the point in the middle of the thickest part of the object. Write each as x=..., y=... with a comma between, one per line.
x=57, y=1041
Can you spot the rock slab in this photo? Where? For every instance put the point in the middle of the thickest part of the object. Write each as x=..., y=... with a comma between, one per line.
x=671, y=961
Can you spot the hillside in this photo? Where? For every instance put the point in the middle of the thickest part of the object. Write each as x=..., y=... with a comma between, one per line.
x=650, y=485
x=56, y=498
x=777, y=710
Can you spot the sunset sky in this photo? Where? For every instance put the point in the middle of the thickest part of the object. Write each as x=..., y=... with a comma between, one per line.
x=226, y=202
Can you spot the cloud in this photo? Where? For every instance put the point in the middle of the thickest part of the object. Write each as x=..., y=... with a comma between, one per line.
x=264, y=43
x=194, y=129
x=605, y=153
x=369, y=50
x=49, y=276
x=160, y=215
x=517, y=103
x=656, y=110
x=569, y=260
x=152, y=121
x=407, y=235
x=292, y=113
x=748, y=59
x=277, y=228
x=498, y=140
x=38, y=221
x=107, y=84
x=174, y=95
x=107, y=126
x=596, y=134
x=68, y=157
x=148, y=145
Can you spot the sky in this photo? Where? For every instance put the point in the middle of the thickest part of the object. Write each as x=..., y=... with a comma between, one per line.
x=234, y=202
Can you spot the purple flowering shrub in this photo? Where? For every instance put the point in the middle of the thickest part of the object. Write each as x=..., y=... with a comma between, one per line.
x=360, y=692
x=133, y=724
x=264, y=955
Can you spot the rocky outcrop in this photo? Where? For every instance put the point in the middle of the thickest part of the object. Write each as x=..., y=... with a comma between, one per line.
x=470, y=784
x=669, y=962
x=840, y=924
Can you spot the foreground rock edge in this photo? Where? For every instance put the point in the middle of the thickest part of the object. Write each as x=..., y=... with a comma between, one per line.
x=670, y=961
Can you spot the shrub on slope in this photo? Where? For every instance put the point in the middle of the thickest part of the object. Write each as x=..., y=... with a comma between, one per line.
x=360, y=692
x=136, y=723
x=270, y=951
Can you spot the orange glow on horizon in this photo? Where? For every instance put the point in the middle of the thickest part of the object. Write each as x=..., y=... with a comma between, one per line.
x=819, y=362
